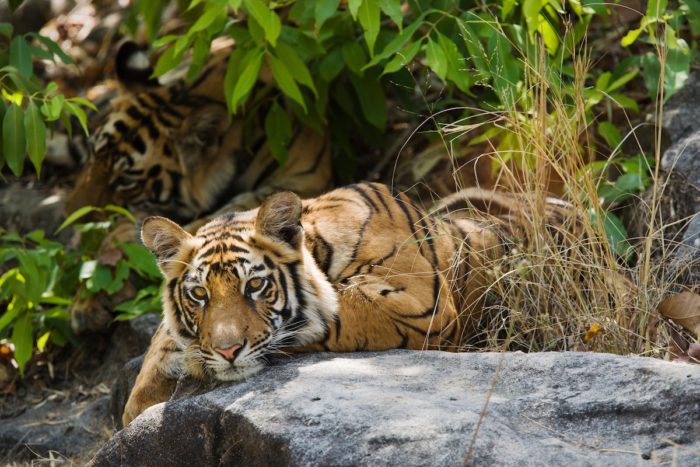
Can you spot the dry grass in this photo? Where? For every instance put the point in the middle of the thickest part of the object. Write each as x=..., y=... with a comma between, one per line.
x=548, y=294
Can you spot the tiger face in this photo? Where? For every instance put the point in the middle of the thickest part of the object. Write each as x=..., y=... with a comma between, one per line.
x=159, y=149
x=243, y=288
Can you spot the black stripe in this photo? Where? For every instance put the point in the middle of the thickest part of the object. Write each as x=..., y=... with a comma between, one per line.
x=365, y=196
x=317, y=161
x=376, y=188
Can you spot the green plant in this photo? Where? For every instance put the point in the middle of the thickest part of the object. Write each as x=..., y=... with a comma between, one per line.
x=27, y=105
x=132, y=261
x=36, y=292
x=41, y=279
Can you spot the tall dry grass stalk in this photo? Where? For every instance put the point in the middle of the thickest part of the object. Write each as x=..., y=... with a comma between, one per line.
x=555, y=291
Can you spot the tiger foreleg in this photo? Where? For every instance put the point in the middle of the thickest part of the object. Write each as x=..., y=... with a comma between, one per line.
x=156, y=381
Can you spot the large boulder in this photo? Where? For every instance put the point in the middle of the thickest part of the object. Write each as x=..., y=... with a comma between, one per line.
x=429, y=408
x=680, y=203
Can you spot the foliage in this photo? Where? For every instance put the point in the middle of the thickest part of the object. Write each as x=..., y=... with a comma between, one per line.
x=26, y=105
x=36, y=292
x=41, y=278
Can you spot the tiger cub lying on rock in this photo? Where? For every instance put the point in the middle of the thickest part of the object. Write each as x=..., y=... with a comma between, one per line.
x=355, y=269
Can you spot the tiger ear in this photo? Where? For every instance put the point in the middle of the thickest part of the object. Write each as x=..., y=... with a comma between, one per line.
x=200, y=133
x=133, y=67
x=279, y=217
x=164, y=238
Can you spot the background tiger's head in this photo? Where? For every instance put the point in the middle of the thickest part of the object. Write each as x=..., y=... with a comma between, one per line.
x=157, y=148
x=244, y=287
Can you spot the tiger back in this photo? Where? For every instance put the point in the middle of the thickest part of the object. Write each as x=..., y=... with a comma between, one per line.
x=173, y=150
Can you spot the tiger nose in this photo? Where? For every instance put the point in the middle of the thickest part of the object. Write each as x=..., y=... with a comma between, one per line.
x=229, y=353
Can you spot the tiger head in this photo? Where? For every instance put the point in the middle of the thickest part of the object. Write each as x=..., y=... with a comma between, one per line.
x=242, y=288
x=162, y=149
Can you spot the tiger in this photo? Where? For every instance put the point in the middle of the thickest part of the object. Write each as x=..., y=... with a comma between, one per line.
x=171, y=149
x=356, y=269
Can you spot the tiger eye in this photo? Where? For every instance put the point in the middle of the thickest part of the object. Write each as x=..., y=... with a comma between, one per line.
x=198, y=293
x=255, y=284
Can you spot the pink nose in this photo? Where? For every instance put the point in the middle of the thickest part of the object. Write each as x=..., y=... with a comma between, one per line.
x=229, y=353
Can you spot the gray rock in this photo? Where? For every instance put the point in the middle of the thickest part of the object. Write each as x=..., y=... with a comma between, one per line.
x=26, y=209
x=429, y=408
x=679, y=203
x=60, y=428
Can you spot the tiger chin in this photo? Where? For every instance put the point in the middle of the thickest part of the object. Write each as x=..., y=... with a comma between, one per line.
x=355, y=269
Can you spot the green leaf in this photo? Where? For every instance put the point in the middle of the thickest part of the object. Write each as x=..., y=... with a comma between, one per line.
x=331, y=65
x=121, y=273
x=394, y=45
x=6, y=29
x=603, y=80
x=436, y=59
x=392, y=8
x=622, y=80
x=354, y=57
x=476, y=50
x=656, y=8
x=677, y=68
x=507, y=8
x=625, y=102
x=278, y=129
x=75, y=215
x=402, y=58
x=505, y=68
x=324, y=9
x=456, y=68
x=549, y=34
x=200, y=53
x=121, y=211
x=610, y=134
x=631, y=36
x=233, y=69
x=16, y=306
x=651, y=70
x=21, y=56
x=53, y=48
x=165, y=40
x=53, y=107
x=211, y=13
x=100, y=278
x=354, y=6
x=369, y=14
x=267, y=18
x=13, y=139
x=248, y=77
x=36, y=136
x=285, y=81
x=615, y=233
x=296, y=66
x=168, y=60
x=78, y=113
x=141, y=260
x=42, y=341
x=22, y=333
x=370, y=93
x=531, y=12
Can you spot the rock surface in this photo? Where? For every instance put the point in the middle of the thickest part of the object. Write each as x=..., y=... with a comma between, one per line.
x=429, y=408
x=678, y=206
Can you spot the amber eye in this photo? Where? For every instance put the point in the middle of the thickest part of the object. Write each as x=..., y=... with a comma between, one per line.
x=198, y=293
x=256, y=284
